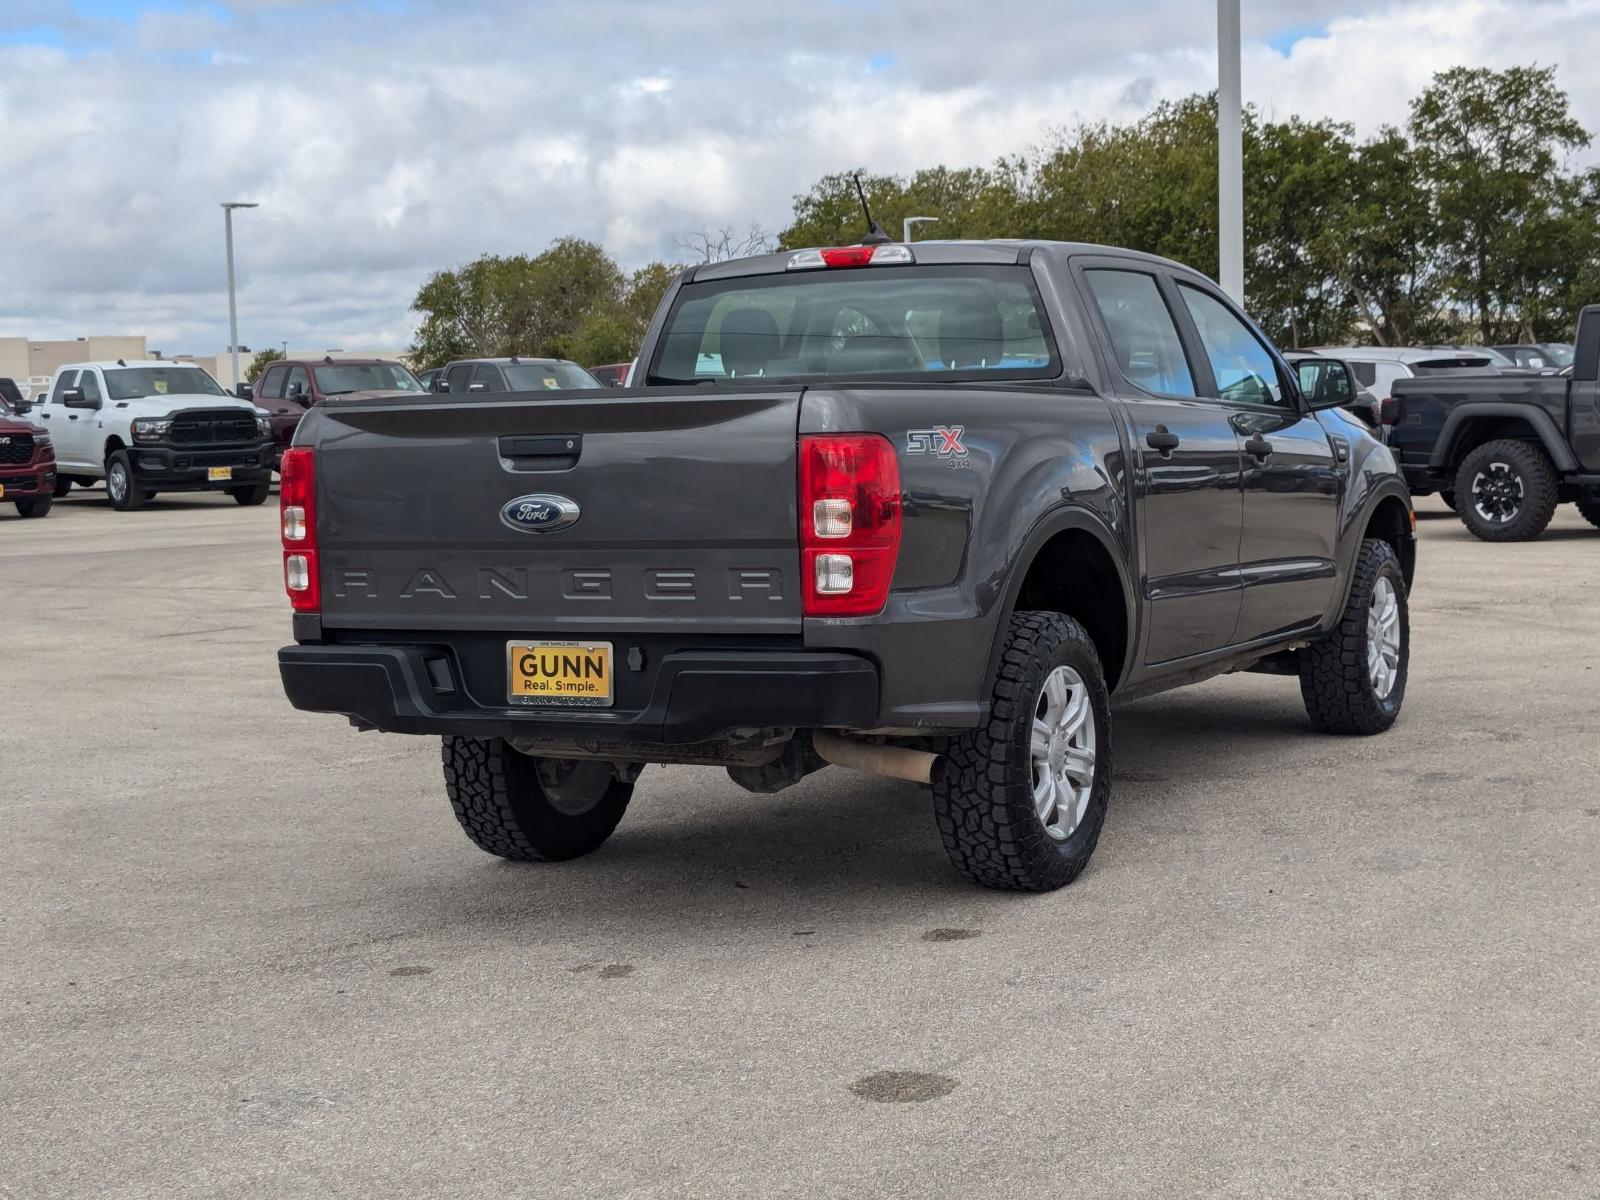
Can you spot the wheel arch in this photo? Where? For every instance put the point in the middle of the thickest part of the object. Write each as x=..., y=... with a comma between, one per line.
x=1041, y=577
x=113, y=444
x=1471, y=425
x=1390, y=520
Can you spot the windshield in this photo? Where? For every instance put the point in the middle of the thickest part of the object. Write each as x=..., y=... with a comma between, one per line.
x=968, y=322
x=534, y=377
x=365, y=377
x=133, y=383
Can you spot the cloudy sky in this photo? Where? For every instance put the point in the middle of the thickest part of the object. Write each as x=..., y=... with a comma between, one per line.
x=387, y=138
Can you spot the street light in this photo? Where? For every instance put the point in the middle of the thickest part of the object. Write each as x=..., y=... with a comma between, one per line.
x=1230, y=153
x=233, y=309
x=911, y=223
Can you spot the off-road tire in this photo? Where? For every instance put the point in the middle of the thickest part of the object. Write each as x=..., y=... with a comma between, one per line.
x=1335, y=682
x=1540, y=488
x=63, y=486
x=983, y=785
x=35, y=506
x=133, y=496
x=501, y=805
x=254, y=494
x=1589, y=510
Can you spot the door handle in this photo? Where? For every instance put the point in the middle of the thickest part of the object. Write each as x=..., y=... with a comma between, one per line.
x=72, y=416
x=1162, y=440
x=1258, y=447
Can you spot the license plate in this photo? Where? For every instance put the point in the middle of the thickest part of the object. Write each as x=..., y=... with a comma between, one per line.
x=218, y=474
x=573, y=673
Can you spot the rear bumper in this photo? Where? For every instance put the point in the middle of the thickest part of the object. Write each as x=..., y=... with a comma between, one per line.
x=694, y=696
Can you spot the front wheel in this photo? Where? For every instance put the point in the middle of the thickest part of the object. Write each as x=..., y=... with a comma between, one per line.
x=35, y=506
x=1589, y=510
x=1020, y=802
x=122, y=485
x=1449, y=499
x=255, y=493
x=527, y=809
x=1506, y=491
x=63, y=486
x=1354, y=679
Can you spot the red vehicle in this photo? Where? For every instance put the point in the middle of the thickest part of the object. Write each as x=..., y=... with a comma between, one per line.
x=612, y=374
x=289, y=386
x=27, y=464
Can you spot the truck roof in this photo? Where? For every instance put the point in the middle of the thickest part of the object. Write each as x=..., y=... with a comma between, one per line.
x=935, y=252
x=1402, y=354
x=127, y=364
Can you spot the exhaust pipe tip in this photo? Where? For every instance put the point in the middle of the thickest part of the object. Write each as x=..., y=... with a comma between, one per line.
x=874, y=758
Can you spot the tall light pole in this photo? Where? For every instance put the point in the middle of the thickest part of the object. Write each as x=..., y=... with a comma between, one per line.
x=1230, y=153
x=233, y=308
x=910, y=223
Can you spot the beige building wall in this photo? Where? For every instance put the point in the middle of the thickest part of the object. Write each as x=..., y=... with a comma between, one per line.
x=32, y=363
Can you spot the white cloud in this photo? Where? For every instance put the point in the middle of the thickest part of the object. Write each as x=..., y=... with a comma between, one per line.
x=385, y=141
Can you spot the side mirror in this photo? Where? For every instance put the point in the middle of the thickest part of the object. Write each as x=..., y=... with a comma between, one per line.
x=441, y=384
x=1326, y=383
x=22, y=407
x=296, y=391
x=245, y=391
x=1586, y=354
x=74, y=398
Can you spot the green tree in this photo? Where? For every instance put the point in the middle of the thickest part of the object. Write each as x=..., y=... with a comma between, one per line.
x=259, y=363
x=1488, y=144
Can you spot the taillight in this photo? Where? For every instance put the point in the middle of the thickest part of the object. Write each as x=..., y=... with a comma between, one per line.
x=297, y=521
x=1388, y=411
x=849, y=523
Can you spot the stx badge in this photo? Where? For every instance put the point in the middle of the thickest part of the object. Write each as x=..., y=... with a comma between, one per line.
x=944, y=441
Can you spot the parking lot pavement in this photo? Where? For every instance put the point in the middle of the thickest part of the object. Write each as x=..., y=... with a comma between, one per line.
x=245, y=951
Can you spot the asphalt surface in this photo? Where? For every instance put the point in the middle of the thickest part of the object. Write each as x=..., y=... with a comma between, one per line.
x=246, y=952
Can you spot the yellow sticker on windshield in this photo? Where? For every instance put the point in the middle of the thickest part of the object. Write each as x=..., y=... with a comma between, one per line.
x=550, y=381
x=161, y=387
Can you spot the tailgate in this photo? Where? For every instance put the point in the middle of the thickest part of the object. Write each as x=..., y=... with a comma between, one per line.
x=456, y=514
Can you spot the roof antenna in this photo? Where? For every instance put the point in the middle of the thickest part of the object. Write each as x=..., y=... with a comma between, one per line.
x=875, y=234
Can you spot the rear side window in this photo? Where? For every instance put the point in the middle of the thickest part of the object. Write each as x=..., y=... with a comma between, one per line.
x=1143, y=336
x=1366, y=373
x=961, y=322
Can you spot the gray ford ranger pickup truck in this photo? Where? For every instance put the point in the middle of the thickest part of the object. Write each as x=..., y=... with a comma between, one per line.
x=922, y=510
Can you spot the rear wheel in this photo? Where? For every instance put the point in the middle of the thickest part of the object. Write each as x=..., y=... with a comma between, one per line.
x=255, y=493
x=1589, y=509
x=35, y=506
x=1020, y=802
x=1506, y=491
x=529, y=809
x=122, y=485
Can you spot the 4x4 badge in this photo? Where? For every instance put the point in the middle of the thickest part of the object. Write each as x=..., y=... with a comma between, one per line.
x=542, y=512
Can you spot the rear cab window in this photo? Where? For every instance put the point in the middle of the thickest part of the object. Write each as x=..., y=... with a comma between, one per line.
x=958, y=321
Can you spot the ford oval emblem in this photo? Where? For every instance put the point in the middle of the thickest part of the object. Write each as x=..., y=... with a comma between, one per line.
x=541, y=513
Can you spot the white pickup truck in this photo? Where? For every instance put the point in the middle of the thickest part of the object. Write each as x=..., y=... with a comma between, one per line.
x=149, y=426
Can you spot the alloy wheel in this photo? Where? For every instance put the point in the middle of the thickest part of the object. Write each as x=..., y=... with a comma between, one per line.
x=1062, y=748
x=1497, y=493
x=1383, y=638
